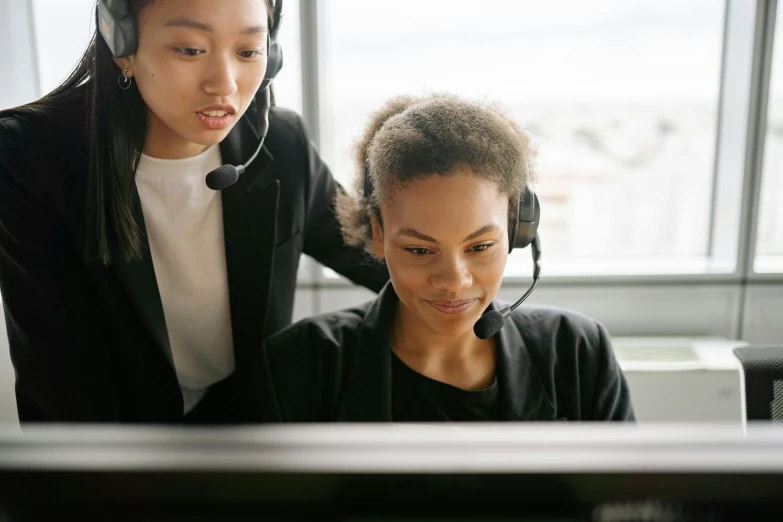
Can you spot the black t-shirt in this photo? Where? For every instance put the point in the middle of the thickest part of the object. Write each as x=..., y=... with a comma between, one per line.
x=417, y=398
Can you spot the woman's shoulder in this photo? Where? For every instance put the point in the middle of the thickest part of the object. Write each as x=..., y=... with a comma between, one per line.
x=285, y=119
x=559, y=331
x=545, y=314
x=573, y=356
x=45, y=118
x=319, y=335
x=17, y=134
x=285, y=125
x=39, y=139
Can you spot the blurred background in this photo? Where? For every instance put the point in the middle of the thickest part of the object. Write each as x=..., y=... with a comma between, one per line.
x=658, y=124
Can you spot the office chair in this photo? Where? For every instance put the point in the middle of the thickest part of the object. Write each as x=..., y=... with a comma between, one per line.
x=763, y=368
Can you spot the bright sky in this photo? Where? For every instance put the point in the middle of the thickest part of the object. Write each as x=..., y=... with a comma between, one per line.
x=560, y=50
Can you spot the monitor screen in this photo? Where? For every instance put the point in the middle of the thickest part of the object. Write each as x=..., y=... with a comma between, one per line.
x=392, y=472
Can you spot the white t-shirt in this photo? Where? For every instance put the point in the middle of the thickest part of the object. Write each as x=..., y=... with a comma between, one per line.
x=184, y=221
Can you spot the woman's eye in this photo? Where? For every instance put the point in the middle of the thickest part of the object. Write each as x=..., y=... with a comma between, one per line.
x=189, y=51
x=250, y=54
x=482, y=248
x=418, y=252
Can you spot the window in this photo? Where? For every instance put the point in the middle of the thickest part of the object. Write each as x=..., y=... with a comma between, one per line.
x=769, y=239
x=288, y=83
x=621, y=99
x=63, y=30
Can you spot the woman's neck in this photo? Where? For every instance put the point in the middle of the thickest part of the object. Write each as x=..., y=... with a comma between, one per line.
x=411, y=335
x=464, y=361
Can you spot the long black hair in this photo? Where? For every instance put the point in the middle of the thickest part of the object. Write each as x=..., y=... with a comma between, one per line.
x=116, y=131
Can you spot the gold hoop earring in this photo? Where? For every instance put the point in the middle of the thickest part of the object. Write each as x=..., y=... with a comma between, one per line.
x=124, y=81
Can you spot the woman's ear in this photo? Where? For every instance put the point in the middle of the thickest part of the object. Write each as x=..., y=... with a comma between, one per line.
x=377, y=238
x=125, y=63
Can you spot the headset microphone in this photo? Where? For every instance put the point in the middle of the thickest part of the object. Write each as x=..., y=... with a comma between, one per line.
x=491, y=322
x=226, y=175
x=524, y=232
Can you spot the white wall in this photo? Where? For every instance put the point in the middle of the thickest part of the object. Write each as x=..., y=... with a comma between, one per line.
x=763, y=314
x=20, y=83
x=7, y=396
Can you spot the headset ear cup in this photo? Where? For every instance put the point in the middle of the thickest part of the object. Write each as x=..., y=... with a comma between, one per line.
x=274, y=63
x=129, y=44
x=513, y=224
x=117, y=28
x=528, y=218
x=274, y=58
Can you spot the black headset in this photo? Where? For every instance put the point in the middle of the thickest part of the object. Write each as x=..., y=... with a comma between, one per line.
x=523, y=232
x=118, y=29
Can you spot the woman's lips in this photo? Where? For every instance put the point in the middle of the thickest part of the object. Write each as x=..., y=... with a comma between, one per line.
x=215, y=122
x=452, y=307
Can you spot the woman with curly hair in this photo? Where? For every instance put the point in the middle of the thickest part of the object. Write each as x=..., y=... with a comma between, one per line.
x=445, y=176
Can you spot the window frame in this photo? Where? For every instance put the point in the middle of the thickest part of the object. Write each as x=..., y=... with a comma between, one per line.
x=745, y=73
x=763, y=55
x=717, y=303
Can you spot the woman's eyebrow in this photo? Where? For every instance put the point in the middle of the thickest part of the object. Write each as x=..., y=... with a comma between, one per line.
x=483, y=230
x=189, y=23
x=412, y=232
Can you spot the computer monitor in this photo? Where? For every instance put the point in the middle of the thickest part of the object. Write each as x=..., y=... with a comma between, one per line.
x=763, y=369
x=354, y=472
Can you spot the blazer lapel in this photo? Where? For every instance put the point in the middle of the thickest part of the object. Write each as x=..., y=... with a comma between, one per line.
x=249, y=221
x=250, y=229
x=138, y=279
x=368, y=388
x=521, y=390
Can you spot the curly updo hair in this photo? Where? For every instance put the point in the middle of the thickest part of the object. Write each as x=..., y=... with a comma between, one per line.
x=411, y=138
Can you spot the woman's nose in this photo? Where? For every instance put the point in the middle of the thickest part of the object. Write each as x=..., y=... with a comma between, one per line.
x=453, y=275
x=221, y=77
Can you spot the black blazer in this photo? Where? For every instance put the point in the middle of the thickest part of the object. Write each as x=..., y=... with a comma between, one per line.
x=90, y=343
x=551, y=364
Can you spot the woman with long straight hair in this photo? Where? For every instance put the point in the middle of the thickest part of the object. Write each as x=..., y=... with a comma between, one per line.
x=148, y=241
